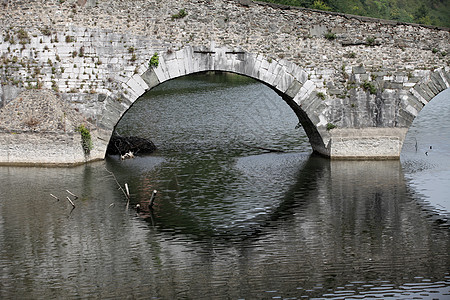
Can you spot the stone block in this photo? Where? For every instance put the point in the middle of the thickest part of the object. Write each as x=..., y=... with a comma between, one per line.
x=417, y=95
x=160, y=72
x=285, y=81
x=430, y=89
x=140, y=81
x=294, y=88
x=265, y=64
x=172, y=68
x=318, y=30
x=130, y=93
x=150, y=78
x=444, y=78
x=438, y=81
x=359, y=70
x=406, y=117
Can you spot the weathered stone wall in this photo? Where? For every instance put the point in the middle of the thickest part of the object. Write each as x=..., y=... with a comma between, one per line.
x=40, y=128
x=346, y=71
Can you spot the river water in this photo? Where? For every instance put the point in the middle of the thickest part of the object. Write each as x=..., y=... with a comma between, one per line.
x=231, y=220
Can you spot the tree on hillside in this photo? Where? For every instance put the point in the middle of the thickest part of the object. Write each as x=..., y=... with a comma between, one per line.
x=421, y=15
x=319, y=4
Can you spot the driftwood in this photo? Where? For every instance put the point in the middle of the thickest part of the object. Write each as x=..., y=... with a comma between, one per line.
x=152, y=199
x=127, y=190
x=123, y=144
x=118, y=184
x=73, y=205
x=72, y=194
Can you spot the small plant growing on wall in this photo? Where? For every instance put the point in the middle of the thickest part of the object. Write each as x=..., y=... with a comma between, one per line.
x=69, y=39
x=331, y=126
x=321, y=95
x=154, y=61
x=46, y=31
x=86, y=139
x=370, y=41
x=181, y=14
x=22, y=34
x=367, y=86
x=330, y=36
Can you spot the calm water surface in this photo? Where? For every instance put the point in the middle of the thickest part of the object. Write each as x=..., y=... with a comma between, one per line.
x=232, y=221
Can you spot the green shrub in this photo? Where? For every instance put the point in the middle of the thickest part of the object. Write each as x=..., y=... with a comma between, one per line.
x=46, y=31
x=69, y=39
x=321, y=95
x=154, y=61
x=330, y=36
x=370, y=41
x=22, y=34
x=86, y=139
x=331, y=126
x=320, y=5
x=367, y=86
x=181, y=14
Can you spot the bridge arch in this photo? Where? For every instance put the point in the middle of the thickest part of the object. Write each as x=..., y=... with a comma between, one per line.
x=292, y=83
x=285, y=78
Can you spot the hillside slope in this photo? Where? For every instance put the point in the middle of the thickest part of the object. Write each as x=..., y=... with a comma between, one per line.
x=430, y=12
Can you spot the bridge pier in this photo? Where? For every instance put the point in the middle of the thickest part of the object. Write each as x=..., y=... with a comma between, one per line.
x=365, y=143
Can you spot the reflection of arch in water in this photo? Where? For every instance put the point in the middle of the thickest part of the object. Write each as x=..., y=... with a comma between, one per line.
x=352, y=194
x=314, y=168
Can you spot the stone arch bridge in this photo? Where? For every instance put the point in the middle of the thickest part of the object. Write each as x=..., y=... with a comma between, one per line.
x=355, y=83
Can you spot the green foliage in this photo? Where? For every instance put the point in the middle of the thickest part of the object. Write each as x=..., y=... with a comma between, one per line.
x=23, y=37
x=86, y=139
x=320, y=5
x=331, y=126
x=421, y=15
x=330, y=36
x=46, y=31
x=367, y=86
x=370, y=41
x=181, y=14
x=430, y=12
x=22, y=34
x=154, y=61
x=69, y=39
x=321, y=95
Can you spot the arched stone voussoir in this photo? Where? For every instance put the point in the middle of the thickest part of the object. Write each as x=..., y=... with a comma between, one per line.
x=431, y=84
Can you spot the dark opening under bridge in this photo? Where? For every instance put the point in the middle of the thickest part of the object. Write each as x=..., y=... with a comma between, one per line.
x=355, y=83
